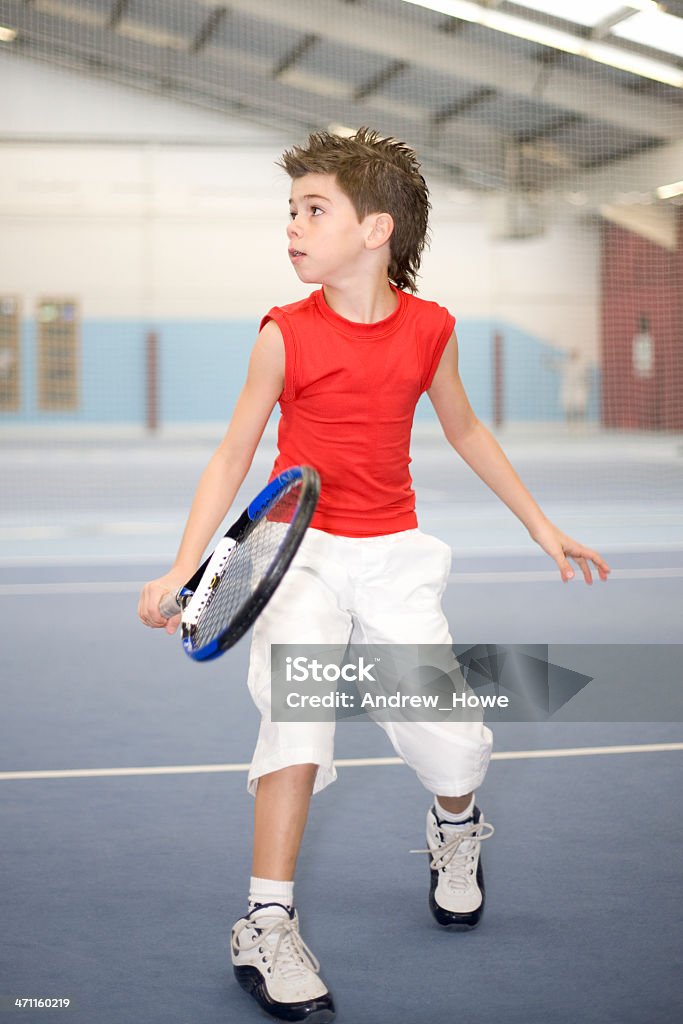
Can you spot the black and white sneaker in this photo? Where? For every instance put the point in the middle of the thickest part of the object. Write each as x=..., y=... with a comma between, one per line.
x=456, y=893
x=274, y=965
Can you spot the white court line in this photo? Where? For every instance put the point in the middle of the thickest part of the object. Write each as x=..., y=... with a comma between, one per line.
x=64, y=588
x=162, y=557
x=70, y=561
x=134, y=586
x=350, y=762
x=542, y=575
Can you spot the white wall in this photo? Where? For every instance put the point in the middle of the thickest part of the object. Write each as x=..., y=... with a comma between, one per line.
x=145, y=208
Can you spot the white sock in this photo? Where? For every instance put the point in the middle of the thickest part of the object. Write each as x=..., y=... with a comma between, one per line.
x=270, y=890
x=454, y=819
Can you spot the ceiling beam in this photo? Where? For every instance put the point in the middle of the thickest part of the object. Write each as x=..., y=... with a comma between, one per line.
x=463, y=106
x=216, y=80
x=208, y=29
x=294, y=55
x=402, y=38
x=374, y=84
x=118, y=12
x=546, y=131
x=627, y=180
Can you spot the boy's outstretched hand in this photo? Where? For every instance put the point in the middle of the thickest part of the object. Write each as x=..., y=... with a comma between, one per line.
x=561, y=547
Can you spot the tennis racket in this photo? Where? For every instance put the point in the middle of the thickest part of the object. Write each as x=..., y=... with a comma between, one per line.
x=233, y=586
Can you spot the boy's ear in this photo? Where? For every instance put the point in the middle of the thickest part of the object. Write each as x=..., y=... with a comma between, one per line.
x=381, y=229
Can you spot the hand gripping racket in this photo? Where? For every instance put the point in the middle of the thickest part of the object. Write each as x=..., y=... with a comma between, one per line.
x=235, y=583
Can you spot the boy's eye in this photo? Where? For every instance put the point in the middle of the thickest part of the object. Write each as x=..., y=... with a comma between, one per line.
x=315, y=210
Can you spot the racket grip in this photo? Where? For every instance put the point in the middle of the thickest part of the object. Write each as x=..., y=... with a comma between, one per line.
x=169, y=606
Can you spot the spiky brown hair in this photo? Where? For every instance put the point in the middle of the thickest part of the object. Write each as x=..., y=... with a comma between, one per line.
x=379, y=175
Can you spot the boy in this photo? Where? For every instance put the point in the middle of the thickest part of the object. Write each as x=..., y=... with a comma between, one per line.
x=347, y=366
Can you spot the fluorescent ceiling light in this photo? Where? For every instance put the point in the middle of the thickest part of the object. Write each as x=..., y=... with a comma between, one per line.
x=7, y=35
x=584, y=12
x=154, y=37
x=341, y=129
x=300, y=79
x=545, y=35
x=73, y=11
x=660, y=31
x=669, y=191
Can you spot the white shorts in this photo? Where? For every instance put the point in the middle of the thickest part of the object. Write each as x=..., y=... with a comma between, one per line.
x=382, y=590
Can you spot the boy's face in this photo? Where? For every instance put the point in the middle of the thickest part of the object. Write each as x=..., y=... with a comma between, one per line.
x=326, y=241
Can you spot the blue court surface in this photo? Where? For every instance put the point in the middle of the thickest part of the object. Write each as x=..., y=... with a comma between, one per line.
x=126, y=822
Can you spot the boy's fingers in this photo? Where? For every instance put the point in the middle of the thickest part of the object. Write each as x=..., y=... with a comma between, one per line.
x=585, y=569
x=144, y=614
x=583, y=557
x=148, y=610
x=566, y=571
x=600, y=564
x=597, y=559
x=172, y=624
x=159, y=621
x=153, y=620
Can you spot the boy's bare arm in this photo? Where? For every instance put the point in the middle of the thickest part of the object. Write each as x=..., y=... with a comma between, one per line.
x=225, y=471
x=480, y=450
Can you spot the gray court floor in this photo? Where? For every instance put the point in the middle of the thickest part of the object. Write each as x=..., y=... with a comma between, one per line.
x=120, y=889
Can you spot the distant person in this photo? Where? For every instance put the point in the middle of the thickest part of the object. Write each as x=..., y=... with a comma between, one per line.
x=574, y=389
x=573, y=384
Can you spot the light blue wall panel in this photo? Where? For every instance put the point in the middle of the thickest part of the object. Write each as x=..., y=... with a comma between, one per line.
x=203, y=364
x=202, y=368
x=112, y=372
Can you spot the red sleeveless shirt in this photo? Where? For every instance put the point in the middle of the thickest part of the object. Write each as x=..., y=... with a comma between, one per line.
x=347, y=407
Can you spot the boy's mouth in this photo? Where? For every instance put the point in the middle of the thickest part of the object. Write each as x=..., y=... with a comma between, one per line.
x=296, y=252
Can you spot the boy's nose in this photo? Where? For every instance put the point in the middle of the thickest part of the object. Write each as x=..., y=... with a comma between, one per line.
x=293, y=230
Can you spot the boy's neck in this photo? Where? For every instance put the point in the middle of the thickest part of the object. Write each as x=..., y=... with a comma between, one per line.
x=365, y=302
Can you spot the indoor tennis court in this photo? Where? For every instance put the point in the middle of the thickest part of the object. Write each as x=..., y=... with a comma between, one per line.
x=142, y=218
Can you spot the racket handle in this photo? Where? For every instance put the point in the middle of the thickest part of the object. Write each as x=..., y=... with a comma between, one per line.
x=169, y=606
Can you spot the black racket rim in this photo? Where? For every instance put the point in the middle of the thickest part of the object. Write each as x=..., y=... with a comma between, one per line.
x=247, y=614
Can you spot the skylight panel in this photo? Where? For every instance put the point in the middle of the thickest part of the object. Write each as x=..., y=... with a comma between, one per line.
x=660, y=31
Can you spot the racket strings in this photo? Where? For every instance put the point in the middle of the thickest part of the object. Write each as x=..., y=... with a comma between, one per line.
x=249, y=563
